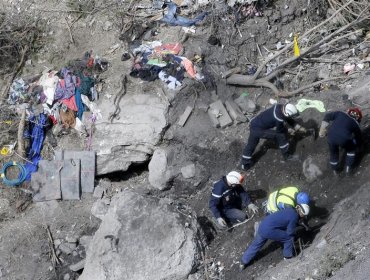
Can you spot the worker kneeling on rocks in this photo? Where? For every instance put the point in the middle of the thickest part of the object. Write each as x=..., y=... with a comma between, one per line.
x=285, y=197
x=229, y=198
x=344, y=132
x=270, y=124
x=279, y=226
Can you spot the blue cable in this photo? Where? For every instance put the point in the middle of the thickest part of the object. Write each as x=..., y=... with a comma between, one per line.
x=21, y=177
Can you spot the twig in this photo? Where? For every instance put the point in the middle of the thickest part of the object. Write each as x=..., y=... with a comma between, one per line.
x=54, y=258
x=70, y=32
x=239, y=224
x=20, y=148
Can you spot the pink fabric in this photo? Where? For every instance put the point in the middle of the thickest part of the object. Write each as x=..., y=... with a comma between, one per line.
x=71, y=103
x=189, y=67
x=168, y=49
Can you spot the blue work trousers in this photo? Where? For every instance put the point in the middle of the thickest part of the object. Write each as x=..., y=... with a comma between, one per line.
x=254, y=138
x=234, y=215
x=350, y=149
x=261, y=239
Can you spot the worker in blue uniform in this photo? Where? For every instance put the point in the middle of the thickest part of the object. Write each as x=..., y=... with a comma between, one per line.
x=279, y=226
x=228, y=199
x=344, y=132
x=271, y=124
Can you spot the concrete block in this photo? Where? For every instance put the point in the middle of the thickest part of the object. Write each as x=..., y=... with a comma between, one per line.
x=88, y=164
x=213, y=118
x=98, y=192
x=222, y=116
x=184, y=117
x=235, y=111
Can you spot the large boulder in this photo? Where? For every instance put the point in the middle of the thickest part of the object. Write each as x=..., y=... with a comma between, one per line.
x=142, y=238
x=160, y=172
x=131, y=137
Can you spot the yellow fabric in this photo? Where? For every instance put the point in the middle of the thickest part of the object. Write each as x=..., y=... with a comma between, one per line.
x=283, y=197
x=297, y=52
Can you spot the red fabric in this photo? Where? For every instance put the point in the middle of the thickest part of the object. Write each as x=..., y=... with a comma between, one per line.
x=71, y=103
x=168, y=48
x=53, y=119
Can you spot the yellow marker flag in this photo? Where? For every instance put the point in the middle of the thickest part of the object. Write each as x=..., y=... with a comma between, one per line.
x=297, y=52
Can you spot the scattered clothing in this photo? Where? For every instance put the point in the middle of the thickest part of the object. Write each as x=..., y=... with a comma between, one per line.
x=71, y=103
x=49, y=82
x=18, y=90
x=304, y=104
x=171, y=81
x=172, y=18
x=67, y=86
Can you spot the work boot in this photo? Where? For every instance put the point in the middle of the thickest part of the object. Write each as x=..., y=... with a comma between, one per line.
x=246, y=166
x=290, y=157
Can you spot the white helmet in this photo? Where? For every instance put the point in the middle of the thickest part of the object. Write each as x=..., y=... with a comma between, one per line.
x=305, y=209
x=289, y=110
x=234, y=178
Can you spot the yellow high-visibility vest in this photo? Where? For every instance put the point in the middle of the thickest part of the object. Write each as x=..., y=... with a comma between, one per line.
x=286, y=195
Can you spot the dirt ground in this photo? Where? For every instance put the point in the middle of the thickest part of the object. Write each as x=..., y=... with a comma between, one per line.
x=215, y=151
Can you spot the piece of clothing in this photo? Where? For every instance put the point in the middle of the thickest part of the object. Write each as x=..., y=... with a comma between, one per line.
x=269, y=124
x=18, y=91
x=304, y=104
x=344, y=132
x=66, y=87
x=225, y=198
x=49, y=82
x=67, y=118
x=71, y=103
x=80, y=105
x=171, y=82
x=172, y=18
x=37, y=135
x=281, y=199
x=279, y=226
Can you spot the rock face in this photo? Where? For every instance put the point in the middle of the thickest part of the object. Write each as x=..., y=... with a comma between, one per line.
x=142, y=238
x=311, y=169
x=132, y=135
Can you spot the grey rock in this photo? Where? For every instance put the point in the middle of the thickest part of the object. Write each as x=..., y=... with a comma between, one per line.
x=78, y=266
x=311, y=170
x=98, y=192
x=99, y=209
x=159, y=172
x=71, y=239
x=67, y=248
x=132, y=137
x=85, y=240
x=142, y=229
x=188, y=171
x=245, y=104
x=66, y=276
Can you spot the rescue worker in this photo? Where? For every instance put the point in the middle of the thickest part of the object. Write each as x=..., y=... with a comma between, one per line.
x=284, y=198
x=229, y=198
x=344, y=132
x=270, y=124
x=279, y=226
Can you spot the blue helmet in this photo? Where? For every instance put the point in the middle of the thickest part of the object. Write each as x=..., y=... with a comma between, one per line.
x=303, y=198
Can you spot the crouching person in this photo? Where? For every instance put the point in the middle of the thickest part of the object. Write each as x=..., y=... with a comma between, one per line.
x=228, y=199
x=279, y=226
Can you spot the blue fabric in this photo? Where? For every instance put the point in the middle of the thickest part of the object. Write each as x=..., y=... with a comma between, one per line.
x=234, y=215
x=279, y=226
x=172, y=19
x=344, y=132
x=37, y=138
x=80, y=105
x=225, y=197
x=271, y=118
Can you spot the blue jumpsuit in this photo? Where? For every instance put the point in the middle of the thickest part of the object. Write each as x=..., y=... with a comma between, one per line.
x=227, y=202
x=262, y=126
x=344, y=132
x=279, y=226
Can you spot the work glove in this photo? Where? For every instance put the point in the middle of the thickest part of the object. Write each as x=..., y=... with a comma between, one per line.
x=300, y=128
x=221, y=222
x=323, y=130
x=291, y=131
x=253, y=208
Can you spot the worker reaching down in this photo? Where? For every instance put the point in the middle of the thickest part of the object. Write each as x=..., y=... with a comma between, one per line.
x=279, y=226
x=229, y=198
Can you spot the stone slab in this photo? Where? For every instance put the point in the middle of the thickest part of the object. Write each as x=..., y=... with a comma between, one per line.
x=70, y=179
x=213, y=118
x=45, y=183
x=88, y=163
x=184, y=117
x=235, y=111
x=222, y=116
